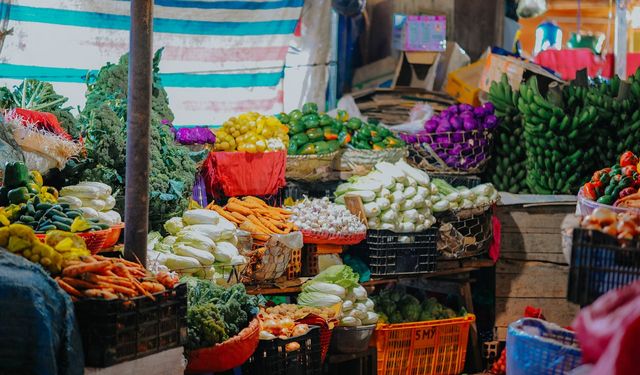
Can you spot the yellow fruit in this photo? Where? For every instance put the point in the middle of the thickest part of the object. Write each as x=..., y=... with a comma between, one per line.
x=18, y=244
x=251, y=148
x=4, y=236
x=35, y=258
x=45, y=262
x=27, y=254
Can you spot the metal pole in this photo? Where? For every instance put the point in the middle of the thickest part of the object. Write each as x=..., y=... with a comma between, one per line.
x=333, y=62
x=620, y=43
x=138, y=122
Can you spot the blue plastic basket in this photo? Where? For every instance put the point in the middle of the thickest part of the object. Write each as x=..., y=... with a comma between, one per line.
x=537, y=347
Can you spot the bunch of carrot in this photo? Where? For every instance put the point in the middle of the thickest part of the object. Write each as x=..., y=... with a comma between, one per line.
x=253, y=215
x=96, y=276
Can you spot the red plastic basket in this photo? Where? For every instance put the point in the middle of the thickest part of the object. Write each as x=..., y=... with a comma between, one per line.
x=227, y=355
x=94, y=240
x=326, y=329
x=325, y=238
x=114, y=236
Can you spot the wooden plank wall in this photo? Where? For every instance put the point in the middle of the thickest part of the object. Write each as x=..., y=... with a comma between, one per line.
x=532, y=270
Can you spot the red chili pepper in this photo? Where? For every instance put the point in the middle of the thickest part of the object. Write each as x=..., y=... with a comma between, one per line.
x=628, y=158
x=627, y=191
x=599, y=186
x=629, y=170
x=589, y=191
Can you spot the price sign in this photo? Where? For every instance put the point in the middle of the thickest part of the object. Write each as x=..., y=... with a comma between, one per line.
x=424, y=337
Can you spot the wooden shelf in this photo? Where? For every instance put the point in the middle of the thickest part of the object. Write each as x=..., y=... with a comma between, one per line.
x=446, y=268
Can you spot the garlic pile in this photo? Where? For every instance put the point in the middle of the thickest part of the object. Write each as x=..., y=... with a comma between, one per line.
x=323, y=216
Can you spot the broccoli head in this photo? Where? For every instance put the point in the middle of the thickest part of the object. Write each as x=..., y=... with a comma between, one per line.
x=205, y=326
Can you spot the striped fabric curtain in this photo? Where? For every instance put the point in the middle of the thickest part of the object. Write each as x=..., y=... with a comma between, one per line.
x=220, y=58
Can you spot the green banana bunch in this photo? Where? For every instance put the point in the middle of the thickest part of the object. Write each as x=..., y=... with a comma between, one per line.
x=506, y=169
x=556, y=134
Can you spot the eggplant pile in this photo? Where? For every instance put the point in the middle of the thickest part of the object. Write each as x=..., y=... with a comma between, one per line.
x=507, y=168
x=460, y=136
x=557, y=132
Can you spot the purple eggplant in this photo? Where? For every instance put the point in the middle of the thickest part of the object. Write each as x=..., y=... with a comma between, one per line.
x=465, y=107
x=457, y=137
x=452, y=161
x=442, y=140
x=409, y=138
x=431, y=125
x=489, y=108
x=469, y=124
x=490, y=122
x=456, y=123
x=444, y=126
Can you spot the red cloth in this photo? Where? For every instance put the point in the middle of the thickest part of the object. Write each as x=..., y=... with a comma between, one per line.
x=241, y=173
x=608, y=331
x=567, y=62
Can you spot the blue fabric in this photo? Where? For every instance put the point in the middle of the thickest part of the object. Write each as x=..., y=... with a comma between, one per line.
x=38, y=331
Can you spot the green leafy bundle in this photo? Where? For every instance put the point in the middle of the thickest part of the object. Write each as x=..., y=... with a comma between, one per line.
x=104, y=123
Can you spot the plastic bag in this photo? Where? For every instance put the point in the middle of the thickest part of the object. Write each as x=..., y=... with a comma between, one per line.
x=420, y=113
x=531, y=8
x=607, y=331
x=9, y=149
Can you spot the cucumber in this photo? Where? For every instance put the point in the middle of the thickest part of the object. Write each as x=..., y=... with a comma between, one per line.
x=53, y=212
x=36, y=200
x=45, y=223
x=62, y=226
x=30, y=209
x=43, y=206
x=60, y=219
x=46, y=228
x=38, y=215
x=65, y=206
x=104, y=226
x=73, y=214
x=93, y=220
x=27, y=218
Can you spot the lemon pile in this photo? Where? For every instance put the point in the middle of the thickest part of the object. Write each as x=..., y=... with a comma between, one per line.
x=252, y=132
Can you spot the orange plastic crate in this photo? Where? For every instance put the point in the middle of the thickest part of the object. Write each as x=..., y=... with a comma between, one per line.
x=437, y=347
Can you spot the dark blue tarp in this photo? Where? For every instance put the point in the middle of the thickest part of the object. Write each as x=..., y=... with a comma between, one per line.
x=38, y=331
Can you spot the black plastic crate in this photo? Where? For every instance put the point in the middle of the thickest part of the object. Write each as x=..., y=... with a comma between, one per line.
x=600, y=264
x=272, y=358
x=115, y=331
x=389, y=254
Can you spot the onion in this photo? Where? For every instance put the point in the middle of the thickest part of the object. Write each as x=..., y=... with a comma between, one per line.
x=452, y=161
x=604, y=216
x=300, y=330
x=490, y=122
x=465, y=107
x=457, y=137
x=455, y=150
x=469, y=124
x=478, y=112
x=444, y=126
x=456, y=123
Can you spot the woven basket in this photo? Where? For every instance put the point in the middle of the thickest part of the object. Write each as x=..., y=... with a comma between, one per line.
x=114, y=236
x=310, y=168
x=227, y=355
x=94, y=240
x=326, y=238
x=361, y=162
x=431, y=154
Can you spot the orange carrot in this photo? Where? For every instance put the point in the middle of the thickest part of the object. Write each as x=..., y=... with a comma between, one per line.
x=119, y=289
x=256, y=200
x=87, y=267
x=152, y=287
x=78, y=283
x=270, y=226
x=68, y=288
x=225, y=214
x=100, y=293
x=234, y=207
x=258, y=223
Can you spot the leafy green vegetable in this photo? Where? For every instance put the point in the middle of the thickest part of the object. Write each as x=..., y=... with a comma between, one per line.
x=338, y=274
x=104, y=124
x=214, y=308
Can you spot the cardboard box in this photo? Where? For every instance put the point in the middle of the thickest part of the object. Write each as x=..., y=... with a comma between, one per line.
x=463, y=84
x=419, y=33
x=376, y=74
x=416, y=69
x=516, y=69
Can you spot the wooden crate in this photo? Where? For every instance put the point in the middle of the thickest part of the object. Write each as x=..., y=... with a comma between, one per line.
x=532, y=269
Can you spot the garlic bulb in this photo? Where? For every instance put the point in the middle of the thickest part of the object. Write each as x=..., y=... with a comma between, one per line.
x=323, y=216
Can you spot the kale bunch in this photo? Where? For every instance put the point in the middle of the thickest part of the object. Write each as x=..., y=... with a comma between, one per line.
x=104, y=119
x=40, y=96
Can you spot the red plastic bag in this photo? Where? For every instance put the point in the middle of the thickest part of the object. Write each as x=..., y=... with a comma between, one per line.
x=607, y=331
x=494, y=249
x=241, y=173
x=43, y=120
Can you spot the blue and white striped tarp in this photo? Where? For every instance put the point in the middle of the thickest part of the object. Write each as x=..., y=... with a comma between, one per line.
x=221, y=58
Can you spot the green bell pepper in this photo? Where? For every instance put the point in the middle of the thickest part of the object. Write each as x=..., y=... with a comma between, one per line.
x=283, y=117
x=292, y=149
x=322, y=147
x=311, y=121
x=295, y=127
x=334, y=145
x=299, y=139
x=354, y=123
x=18, y=195
x=296, y=114
x=308, y=149
x=362, y=145
x=384, y=132
x=606, y=199
x=325, y=120
x=308, y=108
x=16, y=174
x=315, y=134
